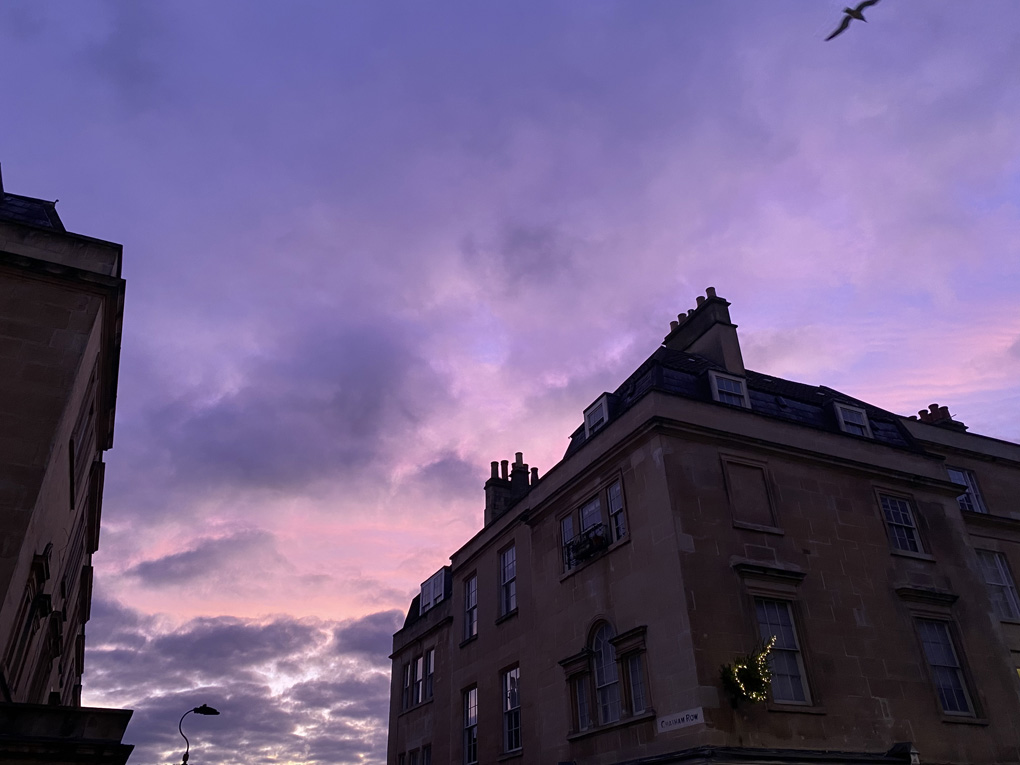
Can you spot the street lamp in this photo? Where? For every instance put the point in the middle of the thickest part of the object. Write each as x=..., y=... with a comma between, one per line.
x=205, y=709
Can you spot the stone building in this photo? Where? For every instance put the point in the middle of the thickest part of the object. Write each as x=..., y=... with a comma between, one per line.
x=702, y=513
x=61, y=305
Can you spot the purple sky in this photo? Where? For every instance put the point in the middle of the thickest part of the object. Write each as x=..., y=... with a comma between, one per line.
x=371, y=246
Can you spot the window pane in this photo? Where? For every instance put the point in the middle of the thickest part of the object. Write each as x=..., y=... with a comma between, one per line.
x=591, y=514
x=581, y=699
x=776, y=620
x=616, y=519
x=730, y=391
x=1001, y=589
x=471, y=607
x=970, y=500
x=508, y=580
x=854, y=421
x=511, y=710
x=946, y=672
x=567, y=532
x=607, y=686
x=638, y=697
x=900, y=522
x=471, y=726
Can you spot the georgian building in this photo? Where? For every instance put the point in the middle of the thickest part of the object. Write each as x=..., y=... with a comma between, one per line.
x=61, y=306
x=616, y=609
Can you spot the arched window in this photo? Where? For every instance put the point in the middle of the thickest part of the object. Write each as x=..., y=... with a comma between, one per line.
x=607, y=677
x=607, y=682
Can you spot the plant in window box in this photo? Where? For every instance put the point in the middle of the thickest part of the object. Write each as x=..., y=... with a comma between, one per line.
x=748, y=678
x=592, y=541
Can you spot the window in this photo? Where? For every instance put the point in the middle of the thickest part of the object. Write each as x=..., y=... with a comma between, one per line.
x=401, y=759
x=970, y=500
x=426, y=754
x=607, y=679
x=853, y=420
x=412, y=757
x=433, y=590
x=470, y=607
x=430, y=669
x=776, y=620
x=580, y=684
x=607, y=685
x=596, y=415
x=636, y=679
x=417, y=680
x=508, y=581
x=406, y=701
x=511, y=710
x=596, y=532
x=945, y=666
x=750, y=498
x=1001, y=589
x=729, y=390
x=471, y=726
x=900, y=521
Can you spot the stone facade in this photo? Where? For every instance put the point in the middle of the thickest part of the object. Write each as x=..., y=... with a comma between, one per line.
x=61, y=306
x=731, y=507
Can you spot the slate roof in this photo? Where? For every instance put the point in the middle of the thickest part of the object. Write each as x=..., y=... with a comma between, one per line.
x=34, y=212
x=686, y=374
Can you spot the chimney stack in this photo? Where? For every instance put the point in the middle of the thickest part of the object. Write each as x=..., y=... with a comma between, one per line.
x=939, y=415
x=507, y=485
x=708, y=331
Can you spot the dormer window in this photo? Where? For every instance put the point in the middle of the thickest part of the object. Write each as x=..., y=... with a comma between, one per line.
x=433, y=590
x=596, y=415
x=853, y=420
x=727, y=389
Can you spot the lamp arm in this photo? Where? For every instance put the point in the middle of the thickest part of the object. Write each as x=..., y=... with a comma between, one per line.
x=184, y=760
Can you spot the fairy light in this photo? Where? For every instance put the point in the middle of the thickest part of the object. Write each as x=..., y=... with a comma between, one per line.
x=756, y=663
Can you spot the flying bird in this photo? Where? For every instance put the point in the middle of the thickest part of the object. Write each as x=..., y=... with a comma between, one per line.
x=849, y=14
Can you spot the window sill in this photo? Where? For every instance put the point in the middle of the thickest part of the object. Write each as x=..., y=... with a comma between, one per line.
x=758, y=527
x=510, y=755
x=964, y=720
x=914, y=555
x=416, y=707
x=507, y=616
x=804, y=709
x=643, y=717
x=471, y=639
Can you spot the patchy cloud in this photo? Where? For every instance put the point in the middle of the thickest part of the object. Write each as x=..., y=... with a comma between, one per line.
x=310, y=690
x=371, y=247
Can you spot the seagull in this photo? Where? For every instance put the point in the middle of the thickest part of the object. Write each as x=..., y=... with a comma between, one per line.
x=850, y=14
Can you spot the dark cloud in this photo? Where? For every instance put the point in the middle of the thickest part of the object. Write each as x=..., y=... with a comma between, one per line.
x=451, y=476
x=206, y=559
x=320, y=404
x=370, y=636
x=241, y=667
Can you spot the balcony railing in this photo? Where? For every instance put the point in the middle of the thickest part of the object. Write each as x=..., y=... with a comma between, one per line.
x=586, y=545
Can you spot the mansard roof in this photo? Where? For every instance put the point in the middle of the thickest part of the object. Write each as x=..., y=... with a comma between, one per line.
x=685, y=374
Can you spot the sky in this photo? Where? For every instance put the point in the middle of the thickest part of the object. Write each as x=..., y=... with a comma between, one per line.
x=372, y=246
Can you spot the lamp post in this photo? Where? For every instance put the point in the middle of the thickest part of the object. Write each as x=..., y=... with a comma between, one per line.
x=205, y=709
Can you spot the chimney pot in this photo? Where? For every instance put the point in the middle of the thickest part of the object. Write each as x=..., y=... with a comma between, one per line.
x=690, y=311
x=944, y=413
x=711, y=292
x=519, y=458
x=495, y=469
x=673, y=325
x=534, y=476
x=933, y=407
x=701, y=299
x=504, y=468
